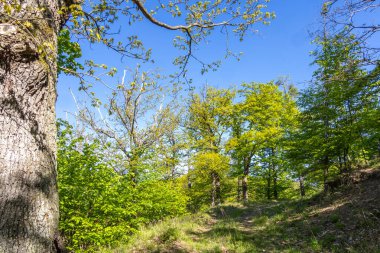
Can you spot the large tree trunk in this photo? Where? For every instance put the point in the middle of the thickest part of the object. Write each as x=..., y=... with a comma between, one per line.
x=28, y=73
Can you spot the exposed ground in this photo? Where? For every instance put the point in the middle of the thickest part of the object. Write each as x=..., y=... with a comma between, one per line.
x=347, y=220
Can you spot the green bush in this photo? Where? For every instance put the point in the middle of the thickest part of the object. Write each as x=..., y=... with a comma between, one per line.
x=99, y=207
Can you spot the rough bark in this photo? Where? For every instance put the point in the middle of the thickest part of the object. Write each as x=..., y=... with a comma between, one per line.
x=28, y=73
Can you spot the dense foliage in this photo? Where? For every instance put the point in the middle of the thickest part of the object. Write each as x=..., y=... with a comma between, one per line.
x=156, y=155
x=247, y=144
x=98, y=205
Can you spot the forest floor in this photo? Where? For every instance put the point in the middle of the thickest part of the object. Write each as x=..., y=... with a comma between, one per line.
x=347, y=220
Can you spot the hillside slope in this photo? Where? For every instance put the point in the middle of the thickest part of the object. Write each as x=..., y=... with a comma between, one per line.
x=347, y=220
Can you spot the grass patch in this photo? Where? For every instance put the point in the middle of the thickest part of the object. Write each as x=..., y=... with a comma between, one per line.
x=345, y=222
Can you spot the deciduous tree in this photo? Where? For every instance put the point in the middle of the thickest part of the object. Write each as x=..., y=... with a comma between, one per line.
x=28, y=74
x=265, y=114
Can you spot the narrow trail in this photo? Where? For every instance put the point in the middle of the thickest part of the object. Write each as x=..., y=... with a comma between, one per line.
x=346, y=220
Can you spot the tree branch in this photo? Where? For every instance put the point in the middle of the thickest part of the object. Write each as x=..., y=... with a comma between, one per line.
x=147, y=15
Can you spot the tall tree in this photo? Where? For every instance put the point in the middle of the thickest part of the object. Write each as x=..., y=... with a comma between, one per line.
x=28, y=73
x=172, y=150
x=135, y=117
x=207, y=126
x=208, y=177
x=335, y=110
x=265, y=113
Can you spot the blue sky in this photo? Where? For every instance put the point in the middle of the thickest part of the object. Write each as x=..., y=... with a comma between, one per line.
x=280, y=49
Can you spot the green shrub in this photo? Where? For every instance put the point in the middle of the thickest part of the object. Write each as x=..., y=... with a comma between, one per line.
x=99, y=207
x=169, y=235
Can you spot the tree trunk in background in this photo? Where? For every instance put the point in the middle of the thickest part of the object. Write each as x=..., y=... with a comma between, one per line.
x=340, y=164
x=269, y=185
x=302, y=186
x=216, y=191
x=132, y=176
x=213, y=190
x=325, y=173
x=274, y=174
x=245, y=182
x=275, y=190
x=188, y=183
x=239, y=189
x=28, y=186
